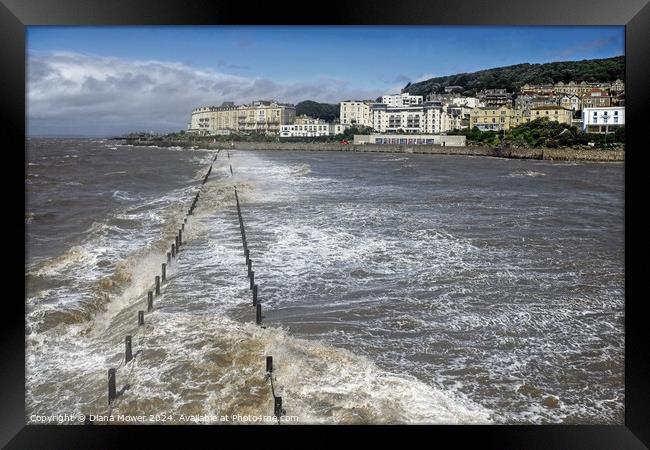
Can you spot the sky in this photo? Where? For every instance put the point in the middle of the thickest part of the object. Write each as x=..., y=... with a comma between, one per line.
x=104, y=81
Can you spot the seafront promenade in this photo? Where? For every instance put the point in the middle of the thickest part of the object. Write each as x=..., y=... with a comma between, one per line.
x=554, y=154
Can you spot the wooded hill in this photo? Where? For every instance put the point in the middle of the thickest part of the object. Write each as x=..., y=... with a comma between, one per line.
x=317, y=110
x=513, y=77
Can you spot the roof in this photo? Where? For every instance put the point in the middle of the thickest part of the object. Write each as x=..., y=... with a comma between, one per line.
x=550, y=107
x=493, y=107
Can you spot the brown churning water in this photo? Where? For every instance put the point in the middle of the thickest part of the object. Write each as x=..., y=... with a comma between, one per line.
x=395, y=288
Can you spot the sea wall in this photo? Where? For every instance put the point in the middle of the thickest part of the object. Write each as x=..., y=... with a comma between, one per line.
x=569, y=154
x=553, y=154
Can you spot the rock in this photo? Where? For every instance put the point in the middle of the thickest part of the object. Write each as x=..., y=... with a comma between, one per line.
x=530, y=391
x=106, y=283
x=551, y=401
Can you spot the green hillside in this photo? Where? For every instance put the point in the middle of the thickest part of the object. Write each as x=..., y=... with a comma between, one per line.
x=317, y=110
x=513, y=77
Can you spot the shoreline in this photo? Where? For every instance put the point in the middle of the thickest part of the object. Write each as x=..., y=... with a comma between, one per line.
x=547, y=154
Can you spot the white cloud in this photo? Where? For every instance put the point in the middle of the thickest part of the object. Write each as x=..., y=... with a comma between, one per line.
x=71, y=93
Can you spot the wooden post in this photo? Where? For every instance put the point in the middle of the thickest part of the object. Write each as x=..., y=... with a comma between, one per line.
x=128, y=355
x=149, y=301
x=169, y=258
x=112, y=393
x=249, y=263
x=252, y=278
x=180, y=237
x=255, y=295
x=277, y=410
x=247, y=255
x=269, y=364
x=258, y=314
x=183, y=227
x=157, y=285
x=178, y=247
x=140, y=318
x=164, y=272
x=173, y=250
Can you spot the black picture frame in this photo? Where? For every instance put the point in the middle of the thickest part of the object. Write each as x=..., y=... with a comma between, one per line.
x=15, y=15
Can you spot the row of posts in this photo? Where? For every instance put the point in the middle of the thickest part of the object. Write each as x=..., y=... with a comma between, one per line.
x=277, y=400
x=175, y=249
x=249, y=264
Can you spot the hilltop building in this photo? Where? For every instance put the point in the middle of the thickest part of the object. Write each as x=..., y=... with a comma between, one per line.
x=495, y=97
x=400, y=100
x=503, y=117
x=596, y=98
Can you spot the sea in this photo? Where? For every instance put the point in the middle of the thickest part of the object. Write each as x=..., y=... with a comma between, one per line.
x=394, y=288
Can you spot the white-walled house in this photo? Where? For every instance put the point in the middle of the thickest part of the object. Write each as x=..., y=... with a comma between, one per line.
x=603, y=119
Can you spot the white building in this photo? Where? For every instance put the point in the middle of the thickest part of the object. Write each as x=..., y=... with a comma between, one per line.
x=603, y=119
x=452, y=118
x=399, y=100
x=423, y=118
x=309, y=127
x=356, y=112
x=305, y=127
x=470, y=102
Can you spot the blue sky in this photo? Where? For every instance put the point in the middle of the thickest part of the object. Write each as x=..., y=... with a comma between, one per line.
x=328, y=63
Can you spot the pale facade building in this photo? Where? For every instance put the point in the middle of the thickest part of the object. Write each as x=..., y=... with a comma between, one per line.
x=399, y=100
x=495, y=97
x=603, y=120
x=617, y=87
x=424, y=118
x=454, y=118
x=492, y=118
x=470, y=102
x=596, y=98
x=555, y=113
x=355, y=112
x=259, y=116
x=305, y=126
x=308, y=127
x=571, y=101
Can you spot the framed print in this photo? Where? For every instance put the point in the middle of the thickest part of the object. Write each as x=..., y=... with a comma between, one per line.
x=404, y=219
